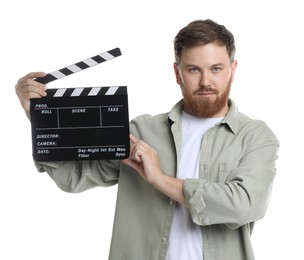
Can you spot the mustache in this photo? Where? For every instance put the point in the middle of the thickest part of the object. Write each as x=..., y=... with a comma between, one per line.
x=206, y=89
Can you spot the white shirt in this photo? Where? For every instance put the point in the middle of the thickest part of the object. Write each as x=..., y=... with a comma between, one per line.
x=186, y=241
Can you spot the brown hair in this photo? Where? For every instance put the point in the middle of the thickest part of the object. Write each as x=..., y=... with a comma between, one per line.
x=201, y=32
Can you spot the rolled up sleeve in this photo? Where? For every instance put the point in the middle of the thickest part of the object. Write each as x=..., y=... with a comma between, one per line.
x=244, y=195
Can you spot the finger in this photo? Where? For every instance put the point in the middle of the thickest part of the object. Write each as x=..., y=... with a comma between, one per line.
x=135, y=153
x=132, y=163
x=27, y=79
x=28, y=92
x=137, y=142
x=133, y=139
x=30, y=76
x=26, y=85
x=30, y=85
x=37, y=74
x=133, y=149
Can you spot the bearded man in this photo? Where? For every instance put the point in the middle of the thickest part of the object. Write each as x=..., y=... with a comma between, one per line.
x=197, y=177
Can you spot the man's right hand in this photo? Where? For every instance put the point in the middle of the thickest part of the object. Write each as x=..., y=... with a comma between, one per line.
x=27, y=88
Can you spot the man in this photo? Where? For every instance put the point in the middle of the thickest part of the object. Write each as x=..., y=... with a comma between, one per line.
x=198, y=177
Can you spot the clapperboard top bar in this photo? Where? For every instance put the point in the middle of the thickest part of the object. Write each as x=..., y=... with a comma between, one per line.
x=79, y=66
x=88, y=91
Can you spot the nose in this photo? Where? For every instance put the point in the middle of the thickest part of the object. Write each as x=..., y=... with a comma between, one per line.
x=205, y=80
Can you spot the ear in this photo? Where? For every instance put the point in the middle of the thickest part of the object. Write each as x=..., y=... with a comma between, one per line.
x=234, y=66
x=177, y=74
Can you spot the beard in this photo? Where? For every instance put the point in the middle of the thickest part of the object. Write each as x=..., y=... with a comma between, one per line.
x=204, y=107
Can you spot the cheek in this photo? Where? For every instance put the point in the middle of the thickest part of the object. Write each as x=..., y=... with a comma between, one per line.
x=192, y=81
x=222, y=81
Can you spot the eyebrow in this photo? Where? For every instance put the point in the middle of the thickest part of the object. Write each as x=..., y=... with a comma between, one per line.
x=219, y=64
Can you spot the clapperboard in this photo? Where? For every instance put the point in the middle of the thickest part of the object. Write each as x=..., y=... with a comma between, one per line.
x=90, y=123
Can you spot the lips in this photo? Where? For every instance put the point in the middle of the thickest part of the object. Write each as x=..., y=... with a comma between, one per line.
x=206, y=91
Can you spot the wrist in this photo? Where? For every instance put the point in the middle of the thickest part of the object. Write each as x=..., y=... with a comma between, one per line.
x=172, y=187
x=159, y=180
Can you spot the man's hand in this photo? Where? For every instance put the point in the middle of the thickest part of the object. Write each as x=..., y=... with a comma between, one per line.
x=26, y=88
x=144, y=159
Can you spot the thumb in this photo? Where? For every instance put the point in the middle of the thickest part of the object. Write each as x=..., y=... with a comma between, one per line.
x=132, y=163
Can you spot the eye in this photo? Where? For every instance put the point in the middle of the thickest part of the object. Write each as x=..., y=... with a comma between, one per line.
x=216, y=69
x=193, y=70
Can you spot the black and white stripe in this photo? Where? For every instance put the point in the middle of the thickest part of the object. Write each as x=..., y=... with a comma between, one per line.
x=90, y=92
x=58, y=74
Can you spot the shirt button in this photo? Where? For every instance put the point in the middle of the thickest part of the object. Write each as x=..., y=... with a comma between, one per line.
x=164, y=239
x=171, y=202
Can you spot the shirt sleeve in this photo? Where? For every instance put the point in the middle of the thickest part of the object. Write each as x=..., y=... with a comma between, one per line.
x=78, y=176
x=244, y=196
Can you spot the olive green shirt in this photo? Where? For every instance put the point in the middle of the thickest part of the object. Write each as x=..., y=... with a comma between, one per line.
x=237, y=169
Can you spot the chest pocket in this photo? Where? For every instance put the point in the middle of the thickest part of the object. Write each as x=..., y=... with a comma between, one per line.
x=224, y=170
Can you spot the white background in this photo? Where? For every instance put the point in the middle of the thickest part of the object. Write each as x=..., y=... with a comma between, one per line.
x=37, y=220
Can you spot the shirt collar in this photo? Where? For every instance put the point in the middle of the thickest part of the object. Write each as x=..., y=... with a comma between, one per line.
x=231, y=119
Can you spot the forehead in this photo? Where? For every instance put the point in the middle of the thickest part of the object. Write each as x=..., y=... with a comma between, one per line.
x=208, y=54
